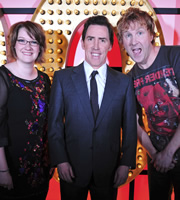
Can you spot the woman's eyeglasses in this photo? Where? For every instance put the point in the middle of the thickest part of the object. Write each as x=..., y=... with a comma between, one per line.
x=33, y=43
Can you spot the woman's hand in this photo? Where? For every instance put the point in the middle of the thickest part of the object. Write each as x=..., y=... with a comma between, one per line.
x=6, y=180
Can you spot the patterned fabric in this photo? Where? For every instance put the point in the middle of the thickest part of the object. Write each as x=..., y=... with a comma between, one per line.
x=26, y=111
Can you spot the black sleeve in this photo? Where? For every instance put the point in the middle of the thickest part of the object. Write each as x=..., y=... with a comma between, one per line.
x=174, y=57
x=138, y=106
x=48, y=86
x=4, y=88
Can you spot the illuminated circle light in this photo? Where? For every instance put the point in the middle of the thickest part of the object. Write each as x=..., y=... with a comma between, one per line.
x=3, y=52
x=59, y=18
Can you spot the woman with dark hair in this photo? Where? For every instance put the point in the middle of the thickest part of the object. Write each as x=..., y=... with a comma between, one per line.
x=24, y=96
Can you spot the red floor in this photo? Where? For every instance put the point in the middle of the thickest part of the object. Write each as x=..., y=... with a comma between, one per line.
x=54, y=192
x=140, y=190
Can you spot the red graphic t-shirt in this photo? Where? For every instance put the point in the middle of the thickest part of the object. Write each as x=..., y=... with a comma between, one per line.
x=157, y=91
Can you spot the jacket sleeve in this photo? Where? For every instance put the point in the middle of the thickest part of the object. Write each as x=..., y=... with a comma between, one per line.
x=56, y=123
x=3, y=111
x=129, y=129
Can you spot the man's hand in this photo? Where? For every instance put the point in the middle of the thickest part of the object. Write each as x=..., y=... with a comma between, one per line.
x=65, y=172
x=163, y=161
x=6, y=180
x=121, y=175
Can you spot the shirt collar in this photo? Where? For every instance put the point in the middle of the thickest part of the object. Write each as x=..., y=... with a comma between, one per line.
x=102, y=71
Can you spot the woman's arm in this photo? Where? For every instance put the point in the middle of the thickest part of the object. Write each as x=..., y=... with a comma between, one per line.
x=5, y=177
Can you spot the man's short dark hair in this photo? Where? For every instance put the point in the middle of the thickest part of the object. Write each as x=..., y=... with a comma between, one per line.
x=99, y=20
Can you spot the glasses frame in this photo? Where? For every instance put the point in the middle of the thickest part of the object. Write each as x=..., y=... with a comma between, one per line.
x=32, y=43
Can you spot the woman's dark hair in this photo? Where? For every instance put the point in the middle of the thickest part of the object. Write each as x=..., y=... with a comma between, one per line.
x=34, y=30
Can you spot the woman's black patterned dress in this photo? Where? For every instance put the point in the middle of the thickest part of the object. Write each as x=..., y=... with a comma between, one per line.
x=23, y=133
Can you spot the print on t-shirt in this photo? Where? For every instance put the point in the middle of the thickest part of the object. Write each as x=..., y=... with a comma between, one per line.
x=157, y=91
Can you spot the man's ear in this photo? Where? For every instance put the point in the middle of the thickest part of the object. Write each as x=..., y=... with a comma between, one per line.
x=152, y=37
x=110, y=47
x=82, y=44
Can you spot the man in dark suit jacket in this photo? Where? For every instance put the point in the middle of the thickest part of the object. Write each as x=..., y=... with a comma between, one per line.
x=85, y=149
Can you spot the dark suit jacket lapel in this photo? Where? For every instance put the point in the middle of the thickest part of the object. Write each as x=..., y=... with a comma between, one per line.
x=110, y=89
x=79, y=80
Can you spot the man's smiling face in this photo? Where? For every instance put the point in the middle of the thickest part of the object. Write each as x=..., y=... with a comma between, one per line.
x=96, y=45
